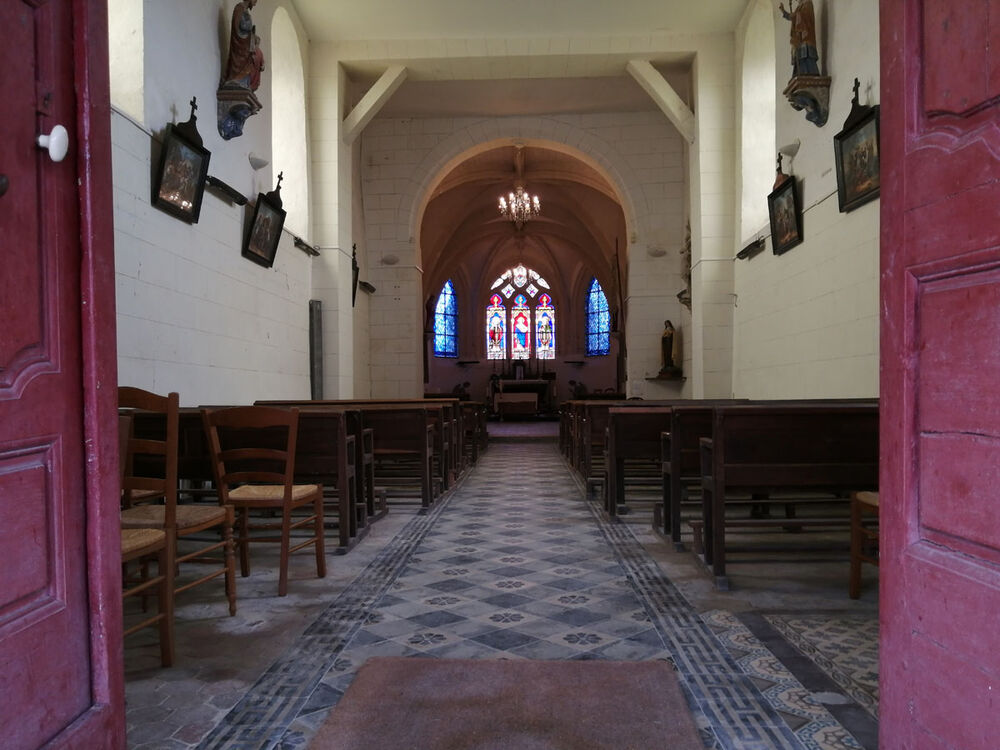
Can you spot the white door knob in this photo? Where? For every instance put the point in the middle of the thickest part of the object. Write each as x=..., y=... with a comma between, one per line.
x=56, y=142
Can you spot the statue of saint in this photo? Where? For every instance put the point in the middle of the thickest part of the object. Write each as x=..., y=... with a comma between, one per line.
x=805, y=55
x=246, y=59
x=667, y=346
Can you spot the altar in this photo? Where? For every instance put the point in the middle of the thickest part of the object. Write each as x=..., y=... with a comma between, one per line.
x=525, y=396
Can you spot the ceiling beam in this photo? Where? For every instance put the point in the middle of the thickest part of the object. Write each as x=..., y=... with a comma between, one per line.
x=665, y=97
x=372, y=102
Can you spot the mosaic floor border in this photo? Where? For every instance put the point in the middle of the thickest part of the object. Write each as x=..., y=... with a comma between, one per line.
x=844, y=646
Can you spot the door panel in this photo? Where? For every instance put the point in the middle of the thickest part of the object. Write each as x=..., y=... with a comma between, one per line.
x=24, y=341
x=940, y=457
x=55, y=644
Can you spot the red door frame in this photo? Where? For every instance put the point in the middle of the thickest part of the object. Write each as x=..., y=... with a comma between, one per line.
x=104, y=724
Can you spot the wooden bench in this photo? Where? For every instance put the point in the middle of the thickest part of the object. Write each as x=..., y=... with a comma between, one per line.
x=680, y=460
x=810, y=447
x=403, y=451
x=633, y=434
x=475, y=435
x=634, y=442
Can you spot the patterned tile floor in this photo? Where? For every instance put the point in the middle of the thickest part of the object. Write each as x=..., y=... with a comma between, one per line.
x=511, y=564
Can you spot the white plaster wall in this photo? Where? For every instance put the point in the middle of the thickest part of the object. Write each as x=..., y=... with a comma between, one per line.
x=806, y=322
x=125, y=55
x=641, y=153
x=289, y=150
x=712, y=176
x=193, y=315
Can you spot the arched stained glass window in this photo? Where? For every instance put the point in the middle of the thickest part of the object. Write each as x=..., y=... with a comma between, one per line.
x=445, y=323
x=520, y=329
x=496, y=328
x=532, y=321
x=598, y=321
x=545, y=328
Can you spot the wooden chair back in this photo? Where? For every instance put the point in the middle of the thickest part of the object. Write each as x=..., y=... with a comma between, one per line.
x=149, y=466
x=251, y=445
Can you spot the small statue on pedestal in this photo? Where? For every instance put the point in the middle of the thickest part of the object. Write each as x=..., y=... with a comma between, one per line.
x=240, y=74
x=807, y=89
x=669, y=368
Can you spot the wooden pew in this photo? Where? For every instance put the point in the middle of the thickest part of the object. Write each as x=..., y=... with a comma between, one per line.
x=403, y=439
x=681, y=461
x=635, y=434
x=591, y=423
x=474, y=430
x=809, y=447
x=406, y=446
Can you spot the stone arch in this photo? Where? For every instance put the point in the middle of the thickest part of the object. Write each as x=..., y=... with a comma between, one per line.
x=553, y=134
x=289, y=133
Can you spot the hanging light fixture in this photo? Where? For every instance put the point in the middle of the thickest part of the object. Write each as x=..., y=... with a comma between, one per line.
x=519, y=206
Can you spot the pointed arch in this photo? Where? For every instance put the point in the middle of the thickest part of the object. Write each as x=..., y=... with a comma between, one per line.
x=288, y=121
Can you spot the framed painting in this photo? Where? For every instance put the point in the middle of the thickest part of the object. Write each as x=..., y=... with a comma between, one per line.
x=179, y=183
x=785, y=211
x=856, y=150
x=261, y=242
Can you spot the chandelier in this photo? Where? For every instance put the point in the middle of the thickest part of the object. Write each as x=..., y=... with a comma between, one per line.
x=519, y=207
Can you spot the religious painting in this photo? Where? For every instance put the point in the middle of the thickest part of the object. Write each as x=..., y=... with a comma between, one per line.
x=856, y=150
x=786, y=216
x=520, y=328
x=496, y=329
x=261, y=242
x=179, y=184
x=545, y=328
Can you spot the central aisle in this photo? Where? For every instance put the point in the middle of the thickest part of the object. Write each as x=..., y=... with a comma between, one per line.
x=512, y=564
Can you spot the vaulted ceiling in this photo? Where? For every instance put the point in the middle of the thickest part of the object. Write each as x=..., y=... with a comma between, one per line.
x=582, y=224
x=576, y=234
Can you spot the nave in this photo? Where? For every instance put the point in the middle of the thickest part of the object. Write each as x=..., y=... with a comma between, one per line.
x=512, y=563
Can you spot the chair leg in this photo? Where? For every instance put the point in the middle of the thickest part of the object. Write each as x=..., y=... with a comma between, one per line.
x=244, y=542
x=165, y=567
x=320, y=553
x=227, y=536
x=854, y=581
x=286, y=535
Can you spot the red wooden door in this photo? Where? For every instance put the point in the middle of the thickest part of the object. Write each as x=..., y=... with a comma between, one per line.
x=60, y=621
x=940, y=462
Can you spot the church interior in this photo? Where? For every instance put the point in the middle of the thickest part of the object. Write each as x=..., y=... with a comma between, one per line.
x=685, y=238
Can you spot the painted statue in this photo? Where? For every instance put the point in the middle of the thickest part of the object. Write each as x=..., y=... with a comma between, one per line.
x=805, y=54
x=241, y=73
x=246, y=60
x=667, y=345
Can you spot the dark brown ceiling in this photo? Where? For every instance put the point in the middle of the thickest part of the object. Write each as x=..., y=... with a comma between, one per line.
x=463, y=236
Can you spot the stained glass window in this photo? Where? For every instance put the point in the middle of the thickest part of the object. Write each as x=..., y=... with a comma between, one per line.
x=496, y=329
x=520, y=275
x=531, y=289
x=545, y=328
x=520, y=327
x=507, y=291
x=598, y=320
x=445, y=319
